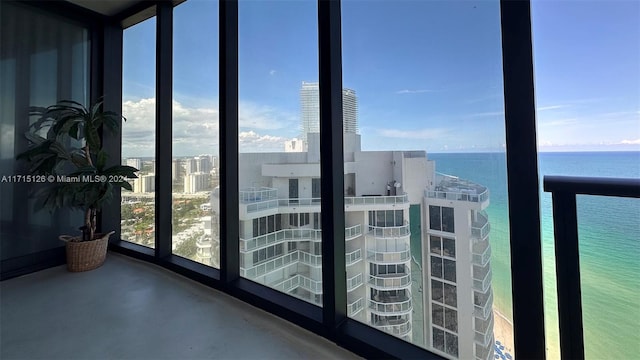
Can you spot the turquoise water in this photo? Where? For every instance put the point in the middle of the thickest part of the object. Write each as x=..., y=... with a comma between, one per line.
x=609, y=231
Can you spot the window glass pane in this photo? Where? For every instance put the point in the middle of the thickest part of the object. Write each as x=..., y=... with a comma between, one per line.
x=438, y=339
x=139, y=132
x=436, y=245
x=449, y=270
x=449, y=246
x=279, y=167
x=436, y=291
x=436, y=266
x=587, y=97
x=434, y=218
x=450, y=295
x=447, y=219
x=195, y=165
x=437, y=312
x=451, y=344
x=430, y=144
x=451, y=319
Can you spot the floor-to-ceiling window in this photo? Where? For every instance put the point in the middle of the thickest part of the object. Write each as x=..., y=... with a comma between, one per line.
x=195, y=165
x=139, y=132
x=279, y=161
x=424, y=136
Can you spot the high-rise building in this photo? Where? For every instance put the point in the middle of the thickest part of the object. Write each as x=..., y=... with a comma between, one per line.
x=144, y=183
x=444, y=302
x=136, y=163
x=447, y=307
x=196, y=182
x=310, y=109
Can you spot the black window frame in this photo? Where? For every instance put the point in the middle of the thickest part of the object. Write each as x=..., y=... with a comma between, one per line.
x=330, y=320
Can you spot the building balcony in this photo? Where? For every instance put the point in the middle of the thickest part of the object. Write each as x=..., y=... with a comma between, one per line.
x=483, y=307
x=392, y=305
x=352, y=232
x=283, y=235
x=482, y=284
x=403, y=255
x=376, y=202
x=390, y=232
x=453, y=188
x=354, y=307
x=354, y=282
x=400, y=327
x=483, y=339
x=481, y=227
x=353, y=257
x=482, y=326
x=257, y=195
x=484, y=352
x=310, y=259
x=390, y=281
x=270, y=265
x=481, y=253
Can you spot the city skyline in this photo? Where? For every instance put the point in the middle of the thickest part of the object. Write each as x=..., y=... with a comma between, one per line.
x=444, y=96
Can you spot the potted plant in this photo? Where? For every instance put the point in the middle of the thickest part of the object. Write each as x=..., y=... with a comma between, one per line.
x=66, y=157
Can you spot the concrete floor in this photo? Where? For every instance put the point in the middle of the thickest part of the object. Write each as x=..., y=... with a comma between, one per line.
x=128, y=309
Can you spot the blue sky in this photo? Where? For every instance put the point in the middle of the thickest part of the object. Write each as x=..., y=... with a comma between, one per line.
x=428, y=74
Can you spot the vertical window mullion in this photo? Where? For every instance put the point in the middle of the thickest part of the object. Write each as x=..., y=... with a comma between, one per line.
x=229, y=188
x=522, y=176
x=164, y=98
x=334, y=283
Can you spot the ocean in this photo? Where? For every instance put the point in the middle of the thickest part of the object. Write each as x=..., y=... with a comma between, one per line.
x=609, y=232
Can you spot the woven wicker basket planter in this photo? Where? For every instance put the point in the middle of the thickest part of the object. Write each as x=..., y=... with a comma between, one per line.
x=85, y=255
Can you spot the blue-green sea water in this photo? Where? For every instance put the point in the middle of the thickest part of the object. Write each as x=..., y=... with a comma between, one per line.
x=609, y=231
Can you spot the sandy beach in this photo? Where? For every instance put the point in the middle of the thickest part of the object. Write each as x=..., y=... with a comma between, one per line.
x=503, y=331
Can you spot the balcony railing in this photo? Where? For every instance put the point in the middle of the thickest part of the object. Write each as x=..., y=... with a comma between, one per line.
x=480, y=229
x=376, y=200
x=352, y=232
x=453, y=188
x=390, y=257
x=353, y=257
x=565, y=222
x=484, y=308
x=399, y=307
x=280, y=236
x=354, y=282
x=394, y=327
x=271, y=265
x=484, y=339
x=390, y=281
x=355, y=307
x=484, y=352
x=483, y=326
x=389, y=232
x=261, y=194
x=484, y=284
x=310, y=259
x=482, y=258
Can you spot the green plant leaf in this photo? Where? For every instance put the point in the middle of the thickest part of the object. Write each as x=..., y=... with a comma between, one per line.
x=102, y=160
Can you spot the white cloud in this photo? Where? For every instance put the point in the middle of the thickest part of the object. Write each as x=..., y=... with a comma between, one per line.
x=550, y=107
x=419, y=91
x=250, y=141
x=196, y=130
x=435, y=133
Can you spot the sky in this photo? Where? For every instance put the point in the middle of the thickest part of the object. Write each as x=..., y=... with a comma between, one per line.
x=427, y=74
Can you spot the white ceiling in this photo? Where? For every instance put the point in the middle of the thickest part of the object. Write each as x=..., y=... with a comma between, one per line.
x=105, y=7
